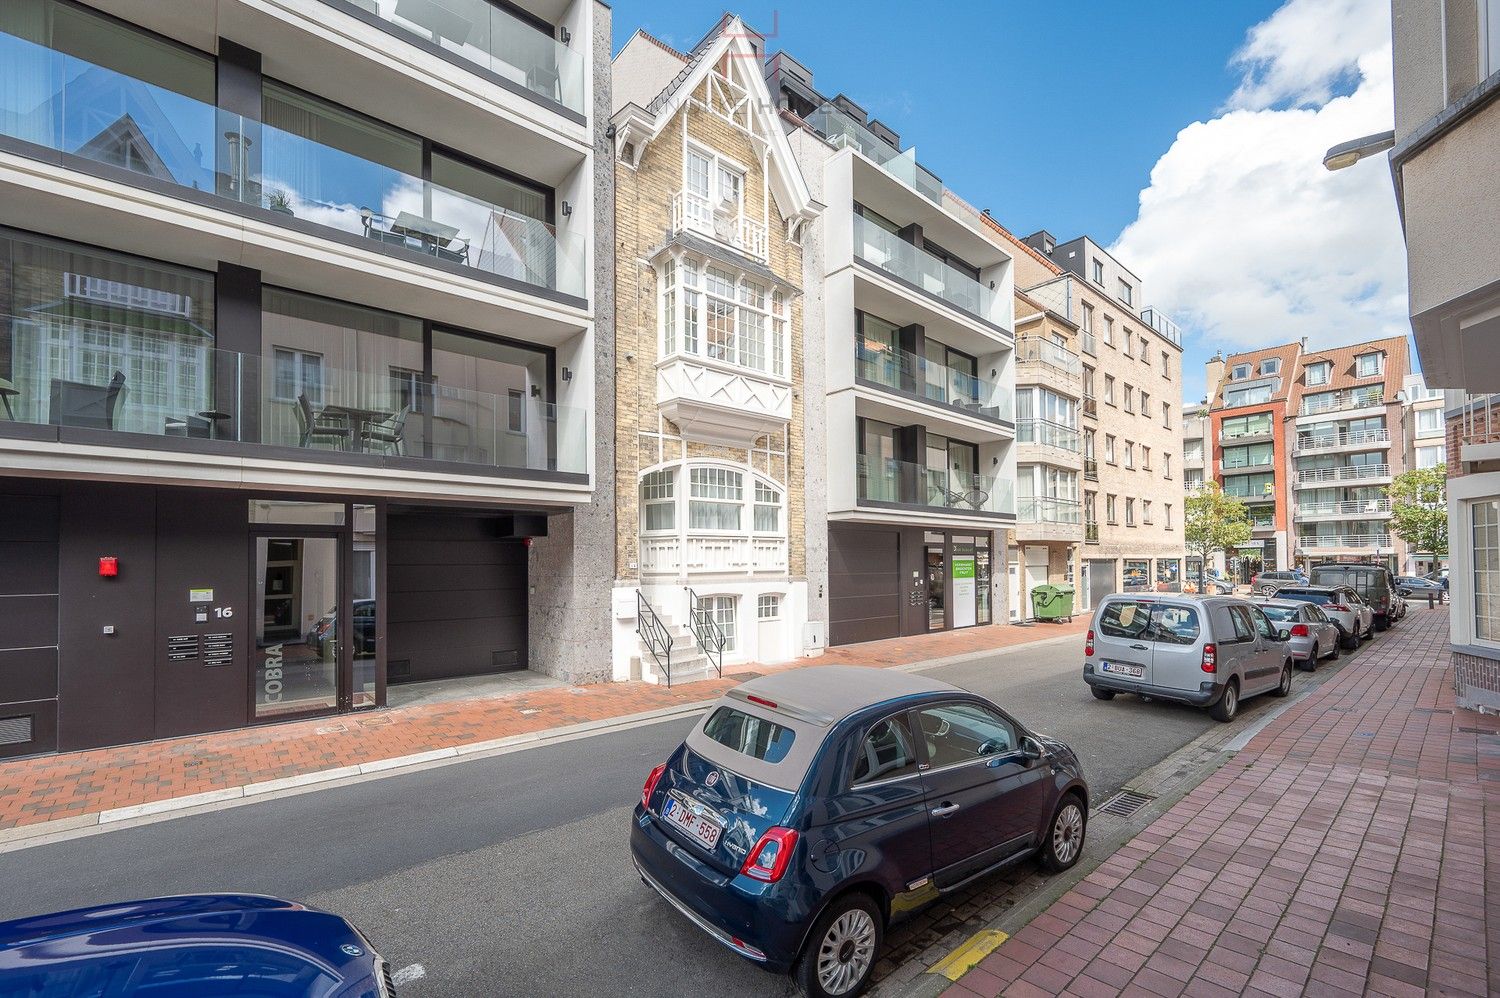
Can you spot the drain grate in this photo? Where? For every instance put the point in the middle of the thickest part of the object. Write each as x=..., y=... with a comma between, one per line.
x=1126, y=802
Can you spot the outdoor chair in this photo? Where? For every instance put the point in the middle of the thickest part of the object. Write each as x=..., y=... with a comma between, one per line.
x=392, y=433
x=315, y=426
x=76, y=403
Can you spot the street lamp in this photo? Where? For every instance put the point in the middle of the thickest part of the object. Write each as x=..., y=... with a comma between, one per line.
x=1351, y=152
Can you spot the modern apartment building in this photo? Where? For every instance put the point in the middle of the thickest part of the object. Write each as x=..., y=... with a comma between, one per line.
x=301, y=307
x=1131, y=359
x=1446, y=56
x=1195, y=424
x=910, y=375
x=710, y=447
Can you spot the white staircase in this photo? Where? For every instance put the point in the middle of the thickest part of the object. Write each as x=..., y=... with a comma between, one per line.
x=689, y=663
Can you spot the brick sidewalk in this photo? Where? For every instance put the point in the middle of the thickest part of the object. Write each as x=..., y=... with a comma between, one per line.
x=1345, y=850
x=76, y=784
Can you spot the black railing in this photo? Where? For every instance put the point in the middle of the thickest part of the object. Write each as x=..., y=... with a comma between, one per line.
x=708, y=632
x=655, y=634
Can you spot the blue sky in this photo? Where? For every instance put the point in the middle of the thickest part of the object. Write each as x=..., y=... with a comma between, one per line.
x=1053, y=115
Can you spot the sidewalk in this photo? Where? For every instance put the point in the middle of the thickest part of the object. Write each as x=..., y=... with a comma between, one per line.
x=1346, y=850
x=57, y=792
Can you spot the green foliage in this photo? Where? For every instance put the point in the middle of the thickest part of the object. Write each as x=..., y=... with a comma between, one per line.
x=1214, y=522
x=1419, y=509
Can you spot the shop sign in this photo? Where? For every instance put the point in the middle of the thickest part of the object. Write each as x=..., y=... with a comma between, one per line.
x=964, y=592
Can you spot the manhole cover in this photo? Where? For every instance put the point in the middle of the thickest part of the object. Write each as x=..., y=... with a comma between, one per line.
x=1126, y=802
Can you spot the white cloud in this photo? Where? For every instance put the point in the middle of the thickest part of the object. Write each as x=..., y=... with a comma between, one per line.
x=1242, y=235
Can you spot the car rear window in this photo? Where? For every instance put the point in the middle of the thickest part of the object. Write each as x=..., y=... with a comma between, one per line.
x=1280, y=612
x=749, y=735
x=1150, y=620
x=1322, y=599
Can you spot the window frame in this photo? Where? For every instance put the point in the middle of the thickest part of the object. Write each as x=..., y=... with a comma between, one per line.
x=1017, y=733
x=688, y=297
x=859, y=739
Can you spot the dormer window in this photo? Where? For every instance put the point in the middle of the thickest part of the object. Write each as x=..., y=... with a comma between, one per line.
x=1368, y=365
x=1271, y=365
x=1239, y=371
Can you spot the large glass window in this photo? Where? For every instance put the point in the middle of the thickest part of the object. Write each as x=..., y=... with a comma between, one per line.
x=1485, y=534
x=1249, y=456
x=1263, y=484
x=879, y=472
x=743, y=321
x=1253, y=395
x=297, y=596
x=1253, y=425
x=715, y=499
x=477, y=384
x=1429, y=421
x=658, y=500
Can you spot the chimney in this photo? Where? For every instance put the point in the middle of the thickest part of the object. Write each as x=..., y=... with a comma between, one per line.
x=1213, y=374
x=1304, y=344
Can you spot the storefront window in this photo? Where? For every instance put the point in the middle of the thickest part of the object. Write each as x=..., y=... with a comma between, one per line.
x=1137, y=575
x=982, y=579
x=1168, y=574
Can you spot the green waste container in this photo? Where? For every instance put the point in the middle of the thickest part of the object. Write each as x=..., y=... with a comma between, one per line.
x=1049, y=602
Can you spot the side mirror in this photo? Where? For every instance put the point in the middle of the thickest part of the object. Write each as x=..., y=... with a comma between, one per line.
x=1031, y=748
x=1283, y=635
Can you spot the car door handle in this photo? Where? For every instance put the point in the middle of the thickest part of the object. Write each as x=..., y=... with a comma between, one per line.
x=943, y=810
x=1139, y=647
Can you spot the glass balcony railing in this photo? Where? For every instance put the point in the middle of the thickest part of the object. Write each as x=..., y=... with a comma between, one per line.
x=96, y=366
x=66, y=104
x=1333, y=441
x=1044, y=509
x=1358, y=398
x=492, y=38
x=842, y=130
x=904, y=371
x=1351, y=541
x=885, y=480
x=1034, y=350
x=1352, y=508
x=900, y=258
x=1048, y=434
x=1343, y=473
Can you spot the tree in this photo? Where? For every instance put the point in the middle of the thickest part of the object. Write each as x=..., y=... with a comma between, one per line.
x=1419, y=509
x=1214, y=522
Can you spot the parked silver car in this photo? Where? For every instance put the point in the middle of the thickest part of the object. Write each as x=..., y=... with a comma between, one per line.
x=1342, y=605
x=1313, y=635
x=1208, y=651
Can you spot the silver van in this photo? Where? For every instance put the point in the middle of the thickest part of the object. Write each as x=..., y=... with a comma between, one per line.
x=1210, y=651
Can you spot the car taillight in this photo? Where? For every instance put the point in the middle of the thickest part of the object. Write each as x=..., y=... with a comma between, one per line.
x=1088, y=645
x=1300, y=631
x=1337, y=608
x=650, y=788
x=769, y=859
x=1210, y=657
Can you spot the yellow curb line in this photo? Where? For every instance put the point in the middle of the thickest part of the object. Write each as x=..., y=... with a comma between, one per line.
x=978, y=946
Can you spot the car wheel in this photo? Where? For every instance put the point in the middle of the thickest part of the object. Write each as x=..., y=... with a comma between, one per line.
x=1064, y=842
x=841, y=950
x=1381, y=623
x=1351, y=640
x=1285, y=686
x=1311, y=664
x=1102, y=694
x=1333, y=655
x=1228, y=705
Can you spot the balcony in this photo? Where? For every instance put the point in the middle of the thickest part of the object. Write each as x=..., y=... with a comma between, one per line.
x=1355, y=509
x=175, y=143
x=1358, y=398
x=162, y=387
x=908, y=484
x=911, y=374
x=1041, y=360
x=843, y=131
x=716, y=554
x=1247, y=467
x=491, y=38
x=1345, y=473
x=725, y=222
x=1165, y=327
x=1042, y=518
x=920, y=269
x=1248, y=435
x=1046, y=433
x=1091, y=469
x=1358, y=440
x=1347, y=542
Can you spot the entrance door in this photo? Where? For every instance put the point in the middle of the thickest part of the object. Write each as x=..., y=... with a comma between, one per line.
x=296, y=659
x=1015, y=584
x=937, y=587
x=1036, y=575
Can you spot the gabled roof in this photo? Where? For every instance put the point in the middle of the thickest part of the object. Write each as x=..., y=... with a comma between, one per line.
x=1342, y=376
x=1286, y=353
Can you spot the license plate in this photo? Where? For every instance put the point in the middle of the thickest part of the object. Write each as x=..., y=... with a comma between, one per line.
x=701, y=827
x=1121, y=669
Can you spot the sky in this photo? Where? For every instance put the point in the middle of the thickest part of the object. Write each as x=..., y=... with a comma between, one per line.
x=1186, y=135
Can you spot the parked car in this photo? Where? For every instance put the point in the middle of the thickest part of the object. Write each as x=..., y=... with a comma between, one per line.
x=1313, y=635
x=196, y=944
x=811, y=807
x=1375, y=584
x=1266, y=583
x=1342, y=605
x=1417, y=587
x=1208, y=651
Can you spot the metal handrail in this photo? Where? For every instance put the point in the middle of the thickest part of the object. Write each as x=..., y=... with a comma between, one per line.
x=653, y=631
x=706, y=629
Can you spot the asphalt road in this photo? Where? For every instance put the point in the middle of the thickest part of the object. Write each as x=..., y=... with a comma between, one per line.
x=511, y=875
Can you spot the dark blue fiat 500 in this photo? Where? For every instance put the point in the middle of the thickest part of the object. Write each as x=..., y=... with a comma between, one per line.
x=810, y=808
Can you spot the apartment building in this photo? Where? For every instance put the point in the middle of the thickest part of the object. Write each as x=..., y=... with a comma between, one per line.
x=298, y=363
x=1195, y=424
x=1131, y=360
x=1426, y=447
x=712, y=211
x=910, y=302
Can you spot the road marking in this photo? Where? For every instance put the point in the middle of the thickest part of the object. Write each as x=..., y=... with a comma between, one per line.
x=407, y=974
x=978, y=946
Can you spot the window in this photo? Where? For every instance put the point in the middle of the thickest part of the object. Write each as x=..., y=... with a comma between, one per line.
x=1088, y=318
x=720, y=609
x=1145, y=403
x=1145, y=350
x=1489, y=41
x=1109, y=389
x=1239, y=371
x=1129, y=511
x=1255, y=425
x=1484, y=516
x=1166, y=365
x=1368, y=365
x=1271, y=365
x=1247, y=396
x=1099, y=273
x=1129, y=454
x=716, y=496
x=767, y=509
x=768, y=606
x=1429, y=422
x=1129, y=345
x=886, y=753
x=1166, y=415
x=1109, y=448
x=1167, y=511
x=658, y=500
x=1429, y=457
x=1129, y=399
x=1109, y=331
x=711, y=311
x=1146, y=511
x=1249, y=456
x=958, y=732
x=515, y=413
x=1109, y=509
x=1166, y=466
x=750, y=735
x=298, y=374
x=1126, y=292
x=1317, y=374
x=1145, y=457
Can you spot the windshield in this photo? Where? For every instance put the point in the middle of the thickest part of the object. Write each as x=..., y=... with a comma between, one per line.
x=1151, y=621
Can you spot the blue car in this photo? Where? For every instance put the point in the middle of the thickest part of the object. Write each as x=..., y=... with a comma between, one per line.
x=192, y=946
x=811, y=808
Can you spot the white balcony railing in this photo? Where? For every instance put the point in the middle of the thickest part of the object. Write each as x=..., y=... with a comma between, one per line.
x=1347, y=473
x=1358, y=398
x=712, y=554
x=1033, y=350
x=725, y=222
x=1350, y=508
x=1333, y=441
x=1358, y=541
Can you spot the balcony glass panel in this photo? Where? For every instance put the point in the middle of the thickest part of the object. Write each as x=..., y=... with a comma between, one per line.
x=1048, y=434
x=493, y=38
x=1358, y=398
x=902, y=370
x=1034, y=350
x=1044, y=509
x=842, y=130
x=896, y=256
x=888, y=480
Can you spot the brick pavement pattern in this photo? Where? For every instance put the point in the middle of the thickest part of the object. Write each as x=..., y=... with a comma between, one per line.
x=50, y=788
x=1345, y=850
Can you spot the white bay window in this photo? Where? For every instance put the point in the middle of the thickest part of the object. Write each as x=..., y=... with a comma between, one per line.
x=711, y=311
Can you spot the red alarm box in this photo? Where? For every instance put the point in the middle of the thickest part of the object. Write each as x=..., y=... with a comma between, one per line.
x=109, y=568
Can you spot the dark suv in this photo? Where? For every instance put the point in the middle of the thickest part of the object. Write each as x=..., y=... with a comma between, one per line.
x=1375, y=584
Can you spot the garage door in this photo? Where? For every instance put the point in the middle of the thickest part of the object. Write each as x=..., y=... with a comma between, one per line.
x=864, y=579
x=1101, y=580
x=457, y=598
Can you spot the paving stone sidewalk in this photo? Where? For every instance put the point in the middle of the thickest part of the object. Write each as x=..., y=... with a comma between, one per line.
x=53, y=789
x=1350, y=848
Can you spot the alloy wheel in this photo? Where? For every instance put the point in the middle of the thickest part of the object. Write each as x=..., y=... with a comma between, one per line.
x=1286, y=679
x=1231, y=701
x=847, y=950
x=1067, y=833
